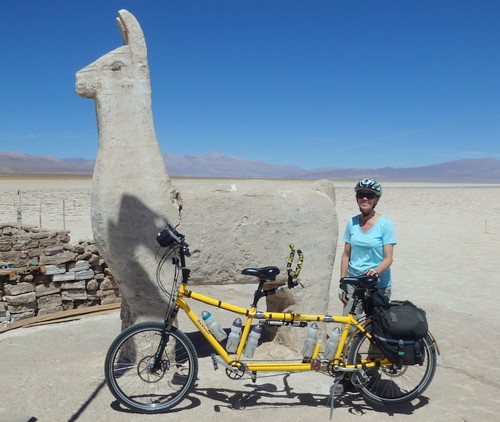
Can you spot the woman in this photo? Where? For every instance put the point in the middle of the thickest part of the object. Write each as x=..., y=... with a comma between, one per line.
x=369, y=243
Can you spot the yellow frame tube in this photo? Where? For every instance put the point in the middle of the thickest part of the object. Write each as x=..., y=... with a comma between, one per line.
x=348, y=321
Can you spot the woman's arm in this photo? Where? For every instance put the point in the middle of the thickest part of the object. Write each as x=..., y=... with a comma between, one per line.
x=344, y=265
x=344, y=260
x=386, y=262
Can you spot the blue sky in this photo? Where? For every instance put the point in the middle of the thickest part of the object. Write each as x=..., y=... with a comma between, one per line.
x=309, y=83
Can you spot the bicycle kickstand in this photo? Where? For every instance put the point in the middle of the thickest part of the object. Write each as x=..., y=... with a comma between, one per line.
x=333, y=390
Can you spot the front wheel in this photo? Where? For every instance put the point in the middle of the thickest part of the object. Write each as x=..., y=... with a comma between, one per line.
x=145, y=383
x=390, y=384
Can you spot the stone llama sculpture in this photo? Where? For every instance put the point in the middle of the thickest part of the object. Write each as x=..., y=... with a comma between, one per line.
x=230, y=225
x=132, y=196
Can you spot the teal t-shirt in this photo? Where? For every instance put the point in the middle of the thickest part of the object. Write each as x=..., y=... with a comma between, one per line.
x=367, y=249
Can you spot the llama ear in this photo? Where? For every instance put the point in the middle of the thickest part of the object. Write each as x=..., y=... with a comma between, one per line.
x=132, y=36
x=123, y=32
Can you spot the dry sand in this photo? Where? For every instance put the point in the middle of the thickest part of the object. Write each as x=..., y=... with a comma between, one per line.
x=448, y=247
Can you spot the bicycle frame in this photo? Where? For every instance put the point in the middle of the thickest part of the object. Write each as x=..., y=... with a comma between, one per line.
x=284, y=319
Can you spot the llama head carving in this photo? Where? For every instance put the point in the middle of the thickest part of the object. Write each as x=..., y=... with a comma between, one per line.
x=121, y=68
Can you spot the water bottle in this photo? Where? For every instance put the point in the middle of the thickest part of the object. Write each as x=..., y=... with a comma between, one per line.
x=253, y=340
x=234, y=336
x=310, y=341
x=213, y=326
x=331, y=343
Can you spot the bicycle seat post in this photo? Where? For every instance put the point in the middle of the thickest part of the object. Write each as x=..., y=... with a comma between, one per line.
x=357, y=296
x=259, y=293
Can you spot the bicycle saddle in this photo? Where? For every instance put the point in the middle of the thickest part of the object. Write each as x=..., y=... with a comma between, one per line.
x=361, y=282
x=264, y=273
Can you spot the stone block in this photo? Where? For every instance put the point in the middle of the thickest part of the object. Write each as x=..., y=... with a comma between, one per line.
x=92, y=249
x=72, y=285
x=50, y=309
x=60, y=258
x=5, y=245
x=47, y=289
x=108, y=284
x=50, y=301
x=20, y=300
x=92, y=296
x=78, y=266
x=53, y=250
x=84, y=275
x=64, y=277
x=92, y=285
x=63, y=236
x=7, y=231
x=71, y=295
x=34, y=253
x=40, y=234
x=55, y=269
x=74, y=248
x=99, y=276
x=47, y=243
x=85, y=256
x=16, y=316
x=13, y=289
x=29, y=277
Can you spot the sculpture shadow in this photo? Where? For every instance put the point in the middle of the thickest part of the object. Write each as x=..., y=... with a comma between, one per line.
x=132, y=247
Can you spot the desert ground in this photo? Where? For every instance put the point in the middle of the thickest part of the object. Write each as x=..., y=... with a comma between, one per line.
x=445, y=262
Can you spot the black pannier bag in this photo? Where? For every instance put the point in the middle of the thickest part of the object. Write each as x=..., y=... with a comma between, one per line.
x=399, y=329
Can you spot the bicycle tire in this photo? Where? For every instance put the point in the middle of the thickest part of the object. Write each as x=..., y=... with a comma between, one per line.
x=389, y=385
x=128, y=368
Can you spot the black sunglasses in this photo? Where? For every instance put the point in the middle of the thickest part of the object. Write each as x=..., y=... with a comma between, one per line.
x=365, y=194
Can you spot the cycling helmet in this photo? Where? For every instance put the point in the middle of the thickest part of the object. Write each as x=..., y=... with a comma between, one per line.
x=369, y=184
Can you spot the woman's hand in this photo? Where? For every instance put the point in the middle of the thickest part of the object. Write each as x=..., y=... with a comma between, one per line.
x=372, y=272
x=343, y=296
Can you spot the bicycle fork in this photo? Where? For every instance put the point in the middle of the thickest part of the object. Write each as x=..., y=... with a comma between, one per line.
x=158, y=362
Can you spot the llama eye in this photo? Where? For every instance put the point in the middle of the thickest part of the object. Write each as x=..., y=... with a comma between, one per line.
x=116, y=66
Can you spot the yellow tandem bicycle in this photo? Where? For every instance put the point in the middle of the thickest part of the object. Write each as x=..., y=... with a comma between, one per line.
x=151, y=366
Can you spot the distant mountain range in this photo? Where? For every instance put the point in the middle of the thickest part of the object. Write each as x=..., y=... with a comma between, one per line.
x=481, y=170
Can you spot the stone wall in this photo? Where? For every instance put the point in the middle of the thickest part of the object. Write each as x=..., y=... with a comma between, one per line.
x=71, y=276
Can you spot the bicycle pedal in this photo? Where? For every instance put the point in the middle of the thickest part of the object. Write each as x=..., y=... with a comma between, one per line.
x=359, y=378
x=214, y=361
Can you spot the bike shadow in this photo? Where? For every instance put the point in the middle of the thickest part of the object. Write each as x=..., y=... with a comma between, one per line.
x=269, y=395
x=358, y=406
x=260, y=395
x=248, y=396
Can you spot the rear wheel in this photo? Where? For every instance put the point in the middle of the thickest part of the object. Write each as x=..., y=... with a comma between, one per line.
x=130, y=373
x=389, y=384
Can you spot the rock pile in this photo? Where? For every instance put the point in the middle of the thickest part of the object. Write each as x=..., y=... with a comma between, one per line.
x=41, y=272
